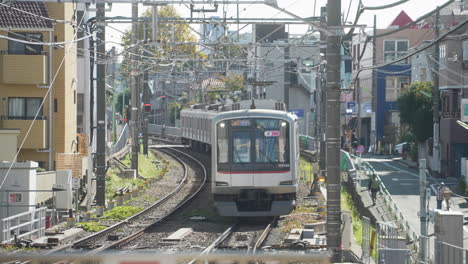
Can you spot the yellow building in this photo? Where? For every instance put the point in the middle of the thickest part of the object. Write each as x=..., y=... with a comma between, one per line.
x=25, y=78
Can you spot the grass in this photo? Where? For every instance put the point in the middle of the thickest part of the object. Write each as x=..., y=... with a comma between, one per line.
x=146, y=168
x=114, y=182
x=121, y=212
x=348, y=205
x=91, y=226
x=308, y=168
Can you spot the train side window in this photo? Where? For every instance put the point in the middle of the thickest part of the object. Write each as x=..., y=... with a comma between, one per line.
x=222, y=143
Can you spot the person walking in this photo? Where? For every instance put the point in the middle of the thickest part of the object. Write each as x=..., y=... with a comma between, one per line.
x=374, y=187
x=440, y=195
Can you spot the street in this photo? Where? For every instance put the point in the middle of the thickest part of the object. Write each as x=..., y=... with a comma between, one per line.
x=402, y=183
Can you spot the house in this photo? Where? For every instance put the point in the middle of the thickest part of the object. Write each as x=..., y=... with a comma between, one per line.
x=48, y=133
x=377, y=90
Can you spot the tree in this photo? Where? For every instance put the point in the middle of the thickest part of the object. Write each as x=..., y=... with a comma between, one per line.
x=168, y=33
x=415, y=106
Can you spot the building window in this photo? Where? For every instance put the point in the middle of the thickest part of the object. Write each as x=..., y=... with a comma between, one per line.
x=442, y=54
x=465, y=50
x=394, y=87
x=15, y=47
x=15, y=198
x=24, y=108
x=423, y=75
x=394, y=49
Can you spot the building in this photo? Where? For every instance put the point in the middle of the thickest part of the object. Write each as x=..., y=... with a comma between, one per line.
x=47, y=127
x=377, y=90
x=453, y=87
x=284, y=71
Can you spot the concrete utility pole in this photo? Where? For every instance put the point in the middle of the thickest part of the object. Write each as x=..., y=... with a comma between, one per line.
x=146, y=96
x=333, y=129
x=114, y=96
x=374, y=89
x=322, y=94
x=134, y=87
x=101, y=107
x=423, y=213
x=436, y=100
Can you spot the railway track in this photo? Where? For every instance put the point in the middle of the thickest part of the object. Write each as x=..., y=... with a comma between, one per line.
x=192, y=192
x=131, y=227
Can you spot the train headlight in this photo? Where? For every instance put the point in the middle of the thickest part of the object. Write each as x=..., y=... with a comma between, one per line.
x=222, y=125
x=283, y=124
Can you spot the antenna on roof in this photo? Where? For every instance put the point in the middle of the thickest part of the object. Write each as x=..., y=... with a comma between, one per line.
x=252, y=106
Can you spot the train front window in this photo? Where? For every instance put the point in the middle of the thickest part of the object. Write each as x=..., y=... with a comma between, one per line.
x=241, y=146
x=222, y=143
x=271, y=141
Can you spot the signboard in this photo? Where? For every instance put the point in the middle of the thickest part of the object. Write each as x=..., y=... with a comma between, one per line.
x=76, y=183
x=272, y=133
x=351, y=107
x=464, y=110
x=297, y=112
x=360, y=149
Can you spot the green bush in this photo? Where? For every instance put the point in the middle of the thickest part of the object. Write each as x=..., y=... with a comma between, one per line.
x=121, y=212
x=91, y=226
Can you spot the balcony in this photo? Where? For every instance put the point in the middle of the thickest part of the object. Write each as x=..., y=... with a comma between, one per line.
x=23, y=69
x=37, y=138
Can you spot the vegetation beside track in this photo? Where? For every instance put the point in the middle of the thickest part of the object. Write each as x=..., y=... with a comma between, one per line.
x=92, y=226
x=347, y=204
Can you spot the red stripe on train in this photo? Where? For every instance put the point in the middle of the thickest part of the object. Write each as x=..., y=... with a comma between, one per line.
x=250, y=172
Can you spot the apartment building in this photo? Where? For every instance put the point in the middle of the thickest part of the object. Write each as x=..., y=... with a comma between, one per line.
x=47, y=127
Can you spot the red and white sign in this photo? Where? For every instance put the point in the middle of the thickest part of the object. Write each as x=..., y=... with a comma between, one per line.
x=272, y=133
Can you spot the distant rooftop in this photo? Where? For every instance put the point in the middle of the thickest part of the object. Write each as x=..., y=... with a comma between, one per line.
x=11, y=18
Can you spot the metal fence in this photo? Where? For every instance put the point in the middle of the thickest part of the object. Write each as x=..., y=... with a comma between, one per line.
x=391, y=247
x=366, y=240
x=308, y=143
x=449, y=254
x=29, y=224
x=121, y=142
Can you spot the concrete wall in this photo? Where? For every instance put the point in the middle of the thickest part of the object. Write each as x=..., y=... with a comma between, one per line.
x=22, y=177
x=8, y=137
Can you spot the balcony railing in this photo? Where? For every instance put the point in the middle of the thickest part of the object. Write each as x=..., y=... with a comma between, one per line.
x=23, y=68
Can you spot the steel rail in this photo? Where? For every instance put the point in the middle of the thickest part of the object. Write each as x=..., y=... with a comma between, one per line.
x=261, y=239
x=122, y=242
x=99, y=235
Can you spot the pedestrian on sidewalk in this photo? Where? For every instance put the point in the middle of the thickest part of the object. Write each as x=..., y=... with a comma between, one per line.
x=441, y=191
x=374, y=187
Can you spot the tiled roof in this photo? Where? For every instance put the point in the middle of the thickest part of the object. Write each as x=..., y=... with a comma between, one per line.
x=11, y=18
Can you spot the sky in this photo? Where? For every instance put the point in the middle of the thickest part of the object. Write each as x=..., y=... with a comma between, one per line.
x=302, y=8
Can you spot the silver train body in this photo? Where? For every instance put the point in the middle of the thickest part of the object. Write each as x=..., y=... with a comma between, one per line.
x=255, y=158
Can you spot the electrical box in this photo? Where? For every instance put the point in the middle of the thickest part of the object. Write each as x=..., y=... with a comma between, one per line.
x=64, y=197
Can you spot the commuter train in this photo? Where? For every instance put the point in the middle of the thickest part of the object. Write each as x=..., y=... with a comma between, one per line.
x=254, y=154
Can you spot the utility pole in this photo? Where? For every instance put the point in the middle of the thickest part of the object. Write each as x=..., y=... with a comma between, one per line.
x=134, y=87
x=333, y=129
x=101, y=108
x=114, y=96
x=374, y=89
x=436, y=100
x=146, y=97
x=322, y=93
x=423, y=212
x=51, y=104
